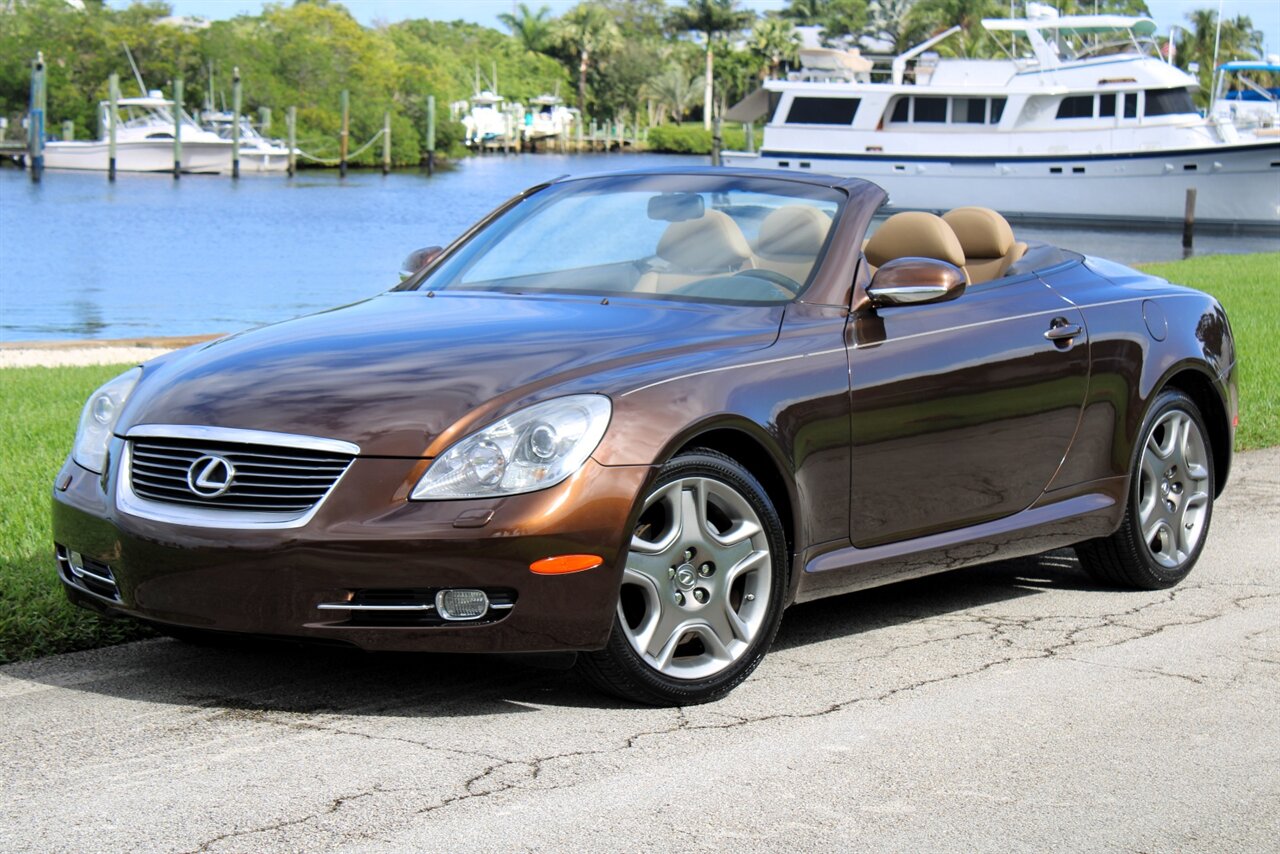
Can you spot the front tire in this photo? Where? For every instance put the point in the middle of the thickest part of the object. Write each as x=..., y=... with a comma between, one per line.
x=703, y=588
x=1170, y=502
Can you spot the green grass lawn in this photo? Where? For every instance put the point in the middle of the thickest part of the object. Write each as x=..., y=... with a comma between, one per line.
x=1248, y=286
x=39, y=408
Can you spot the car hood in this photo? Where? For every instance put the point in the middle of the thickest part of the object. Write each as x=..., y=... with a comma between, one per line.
x=393, y=372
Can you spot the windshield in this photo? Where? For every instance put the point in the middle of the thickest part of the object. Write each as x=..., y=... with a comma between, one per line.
x=693, y=237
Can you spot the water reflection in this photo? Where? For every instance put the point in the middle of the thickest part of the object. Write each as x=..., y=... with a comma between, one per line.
x=80, y=257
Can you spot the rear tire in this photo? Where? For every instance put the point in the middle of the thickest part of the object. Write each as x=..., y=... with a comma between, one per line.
x=703, y=589
x=1169, y=506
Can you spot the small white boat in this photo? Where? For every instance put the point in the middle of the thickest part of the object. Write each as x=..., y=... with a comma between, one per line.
x=144, y=141
x=1246, y=103
x=486, y=118
x=1088, y=124
x=257, y=152
x=547, y=117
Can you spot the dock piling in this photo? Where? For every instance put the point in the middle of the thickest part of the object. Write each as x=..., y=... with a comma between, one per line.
x=1189, y=219
x=35, y=119
x=291, y=123
x=113, y=96
x=430, y=135
x=235, y=122
x=177, y=127
x=386, y=142
x=716, y=141
x=344, y=133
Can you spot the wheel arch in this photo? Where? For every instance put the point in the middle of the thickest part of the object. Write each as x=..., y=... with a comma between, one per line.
x=1197, y=384
x=755, y=451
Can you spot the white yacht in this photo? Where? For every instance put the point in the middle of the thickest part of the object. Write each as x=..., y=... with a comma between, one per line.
x=547, y=117
x=144, y=141
x=1091, y=125
x=257, y=152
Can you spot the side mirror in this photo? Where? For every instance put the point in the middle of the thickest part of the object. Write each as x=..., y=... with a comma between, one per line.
x=419, y=259
x=914, y=281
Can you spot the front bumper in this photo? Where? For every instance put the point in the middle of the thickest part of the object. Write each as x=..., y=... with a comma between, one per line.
x=365, y=540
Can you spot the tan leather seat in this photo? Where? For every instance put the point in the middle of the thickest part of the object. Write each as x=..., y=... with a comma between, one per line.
x=987, y=241
x=913, y=234
x=696, y=249
x=790, y=239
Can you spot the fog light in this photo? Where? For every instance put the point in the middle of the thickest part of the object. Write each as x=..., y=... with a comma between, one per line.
x=462, y=604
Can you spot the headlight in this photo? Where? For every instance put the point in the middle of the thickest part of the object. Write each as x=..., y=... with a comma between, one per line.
x=99, y=418
x=532, y=449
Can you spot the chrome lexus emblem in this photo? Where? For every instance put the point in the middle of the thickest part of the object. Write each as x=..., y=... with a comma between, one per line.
x=210, y=476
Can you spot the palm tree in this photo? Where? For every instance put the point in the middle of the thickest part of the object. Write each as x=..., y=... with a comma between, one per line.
x=674, y=90
x=1238, y=40
x=891, y=21
x=586, y=30
x=973, y=41
x=710, y=18
x=774, y=40
x=532, y=29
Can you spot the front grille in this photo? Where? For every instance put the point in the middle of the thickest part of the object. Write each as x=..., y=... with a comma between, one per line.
x=263, y=478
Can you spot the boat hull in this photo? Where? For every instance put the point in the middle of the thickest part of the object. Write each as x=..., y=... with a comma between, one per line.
x=197, y=157
x=274, y=160
x=1235, y=185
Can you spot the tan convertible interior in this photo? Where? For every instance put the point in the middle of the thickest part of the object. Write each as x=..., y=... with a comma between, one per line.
x=978, y=240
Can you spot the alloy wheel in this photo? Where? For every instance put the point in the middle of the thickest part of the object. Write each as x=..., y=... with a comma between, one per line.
x=1173, y=488
x=697, y=582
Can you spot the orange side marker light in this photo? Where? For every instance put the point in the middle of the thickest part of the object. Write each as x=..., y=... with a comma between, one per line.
x=564, y=564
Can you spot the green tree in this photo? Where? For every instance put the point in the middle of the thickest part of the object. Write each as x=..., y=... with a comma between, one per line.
x=673, y=90
x=711, y=18
x=773, y=41
x=586, y=31
x=891, y=21
x=1238, y=40
x=838, y=18
x=973, y=40
x=532, y=29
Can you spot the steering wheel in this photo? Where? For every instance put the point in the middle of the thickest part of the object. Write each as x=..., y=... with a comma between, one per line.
x=788, y=284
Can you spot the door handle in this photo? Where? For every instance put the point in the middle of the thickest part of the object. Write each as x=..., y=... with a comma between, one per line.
x=1060, y=329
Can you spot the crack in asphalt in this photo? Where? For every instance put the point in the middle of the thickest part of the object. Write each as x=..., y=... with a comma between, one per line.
x=334, y=805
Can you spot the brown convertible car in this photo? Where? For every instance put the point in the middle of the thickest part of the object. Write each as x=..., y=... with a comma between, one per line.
x=637, y=415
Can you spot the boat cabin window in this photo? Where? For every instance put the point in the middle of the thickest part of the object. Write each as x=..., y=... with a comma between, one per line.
x=962, y=111
x=1076, y=107
x=822, y=111
x=1131, y=105
x=1166, y=102
x=1106, y=105
x=931, y=110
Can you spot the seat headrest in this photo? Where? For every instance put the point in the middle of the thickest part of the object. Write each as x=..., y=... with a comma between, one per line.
x=713, y=241
x=793, y=230
x=914, y=234
x=982, y=232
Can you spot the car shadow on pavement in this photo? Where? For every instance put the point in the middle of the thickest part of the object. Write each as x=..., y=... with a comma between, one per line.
x=258, y=679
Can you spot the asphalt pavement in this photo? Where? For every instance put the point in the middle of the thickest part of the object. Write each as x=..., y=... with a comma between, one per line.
x=1014, y=706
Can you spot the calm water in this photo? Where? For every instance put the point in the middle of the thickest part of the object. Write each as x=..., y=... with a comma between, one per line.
x=81, y=258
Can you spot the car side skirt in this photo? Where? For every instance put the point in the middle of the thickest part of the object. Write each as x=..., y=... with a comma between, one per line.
x=1057, y=520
